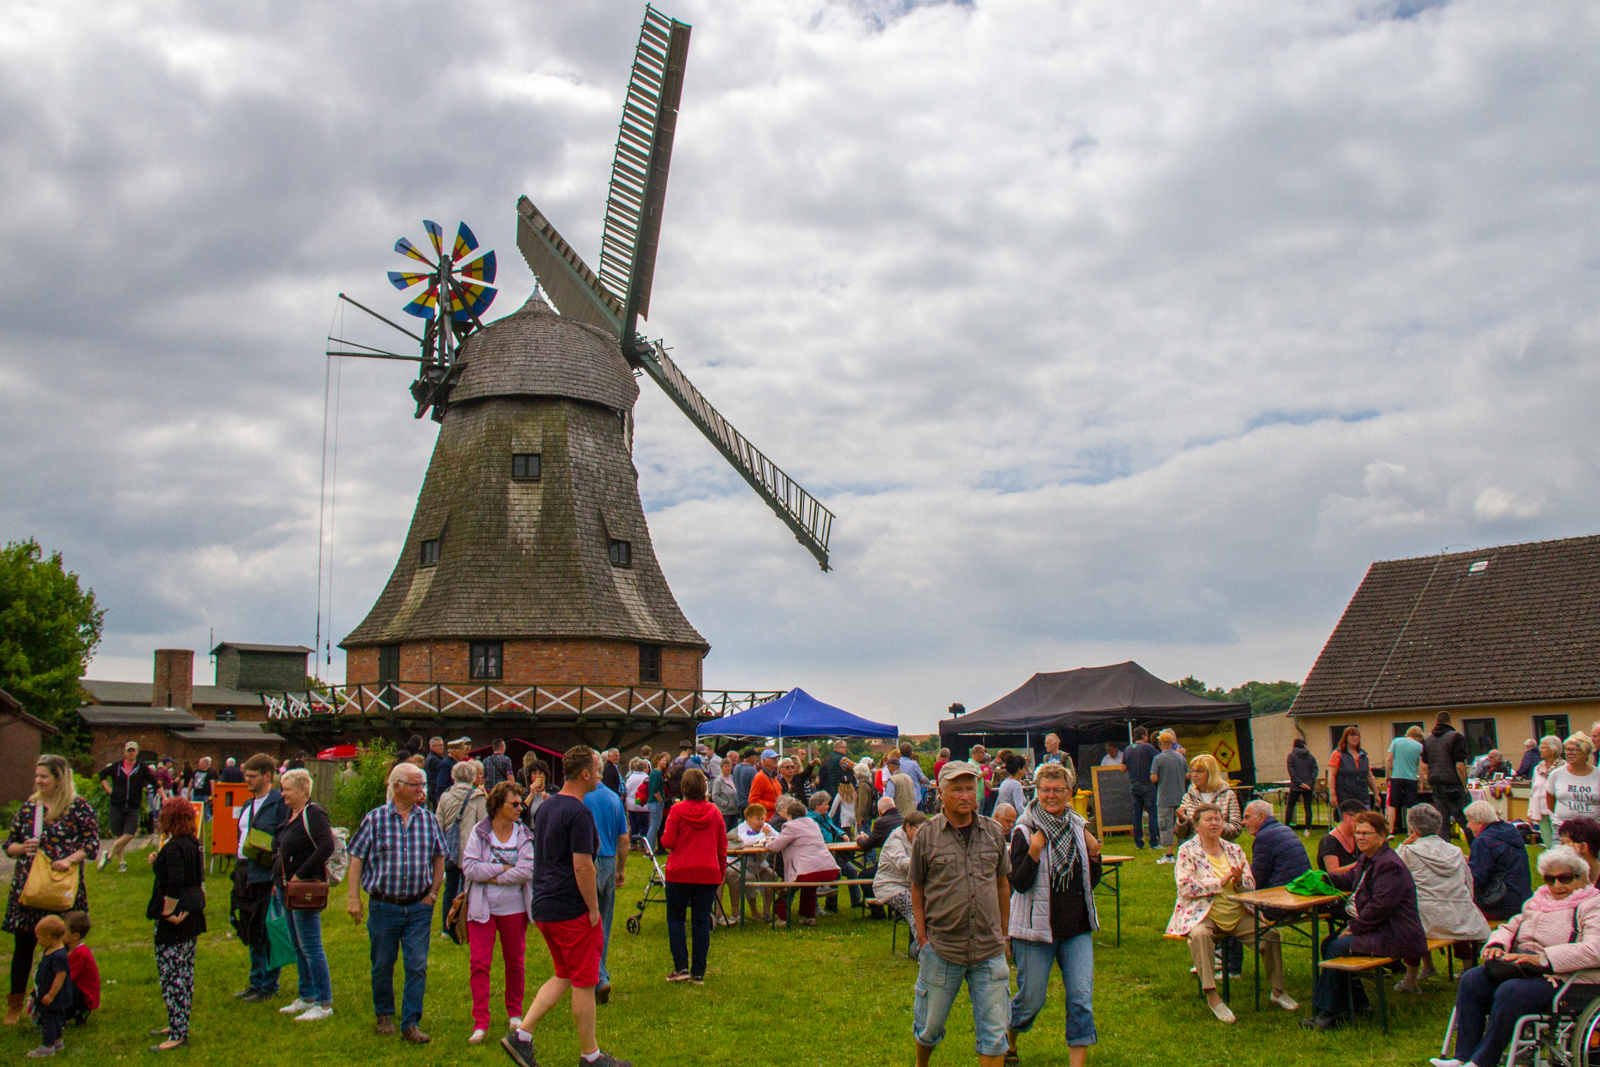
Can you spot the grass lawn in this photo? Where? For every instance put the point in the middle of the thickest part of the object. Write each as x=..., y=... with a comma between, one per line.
x=828, y=995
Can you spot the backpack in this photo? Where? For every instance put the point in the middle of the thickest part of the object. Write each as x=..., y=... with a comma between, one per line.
x=673, y=785
x=641, y=795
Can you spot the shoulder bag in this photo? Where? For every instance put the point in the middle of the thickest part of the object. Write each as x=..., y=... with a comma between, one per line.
x=257, y=843
x=1501, y=970
x=47, y=888
x=304, y=895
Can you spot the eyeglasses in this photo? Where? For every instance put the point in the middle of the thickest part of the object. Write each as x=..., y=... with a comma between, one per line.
x=1564, y=879
x=516, y=803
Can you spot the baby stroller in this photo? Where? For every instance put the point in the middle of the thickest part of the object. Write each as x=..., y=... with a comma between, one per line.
x=656, y=891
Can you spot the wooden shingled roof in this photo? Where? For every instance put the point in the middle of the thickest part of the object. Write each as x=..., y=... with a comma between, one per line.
x=1513, y=623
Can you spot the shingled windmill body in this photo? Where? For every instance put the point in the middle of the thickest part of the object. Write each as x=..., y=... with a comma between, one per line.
x=529, y=561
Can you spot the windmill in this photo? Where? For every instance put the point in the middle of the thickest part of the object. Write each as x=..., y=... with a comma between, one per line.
x=618, y=296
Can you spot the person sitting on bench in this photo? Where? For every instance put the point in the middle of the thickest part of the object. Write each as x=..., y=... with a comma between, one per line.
x=805, y=859
x=1444, y=888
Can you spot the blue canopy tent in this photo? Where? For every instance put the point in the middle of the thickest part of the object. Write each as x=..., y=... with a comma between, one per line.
x=795, y=714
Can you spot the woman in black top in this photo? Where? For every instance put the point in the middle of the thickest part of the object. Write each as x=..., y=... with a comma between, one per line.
x=178, y=907
x=304, y=845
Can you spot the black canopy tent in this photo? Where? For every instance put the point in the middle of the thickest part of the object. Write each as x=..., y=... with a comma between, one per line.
x=1090, y=706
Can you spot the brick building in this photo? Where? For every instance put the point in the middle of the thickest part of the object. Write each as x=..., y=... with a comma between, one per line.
x=22, y=740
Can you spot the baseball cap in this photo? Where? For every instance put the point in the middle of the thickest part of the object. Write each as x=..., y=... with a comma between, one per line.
x=955, y=768
x=768, y=753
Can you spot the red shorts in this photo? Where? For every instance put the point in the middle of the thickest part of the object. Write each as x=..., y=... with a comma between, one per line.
x=574, y=949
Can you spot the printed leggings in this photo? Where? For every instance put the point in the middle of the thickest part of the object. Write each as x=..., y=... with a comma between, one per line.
x=175, y=968
x=901, y=902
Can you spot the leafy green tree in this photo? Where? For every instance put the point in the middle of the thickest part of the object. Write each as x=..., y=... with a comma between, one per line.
x=1264, y=698
x=49, y=627
x=1191, y=684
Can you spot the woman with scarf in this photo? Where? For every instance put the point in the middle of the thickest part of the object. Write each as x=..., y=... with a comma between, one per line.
x=1555, y=937
x=1055, y=865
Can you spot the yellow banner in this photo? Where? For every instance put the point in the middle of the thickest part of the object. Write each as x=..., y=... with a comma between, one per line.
x=1218, y=739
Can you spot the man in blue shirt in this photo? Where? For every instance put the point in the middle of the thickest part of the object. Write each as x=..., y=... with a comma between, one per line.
x=913, y=770
x=743, y=775
x=610, y=864
x=1138, y=757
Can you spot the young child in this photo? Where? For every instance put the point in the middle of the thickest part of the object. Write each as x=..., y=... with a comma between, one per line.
x=752, y=832
x=52, y=985
x=85, y=972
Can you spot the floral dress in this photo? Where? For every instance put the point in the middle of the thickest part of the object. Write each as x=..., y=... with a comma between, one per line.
x=76, y=829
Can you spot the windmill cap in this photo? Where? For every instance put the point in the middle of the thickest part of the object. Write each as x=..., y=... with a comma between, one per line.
x=536, y=352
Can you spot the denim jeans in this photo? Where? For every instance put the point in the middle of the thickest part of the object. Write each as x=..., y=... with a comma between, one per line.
x=263, y=979
x=938, y=982
x=1075, y=957
x=392, y=929
x=657, y=813
x=311, y=962
x=605, y=889
x=694, y=898
x=1144, y=813
x=1334, y=992
x=1480, y=1001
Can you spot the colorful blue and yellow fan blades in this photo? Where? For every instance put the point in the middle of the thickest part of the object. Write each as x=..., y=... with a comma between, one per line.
x=435, y=234
x=466, y=244
x=402, y=280
x=480, y=270
x=468, y=300
x=406, y=248
x=425, y=305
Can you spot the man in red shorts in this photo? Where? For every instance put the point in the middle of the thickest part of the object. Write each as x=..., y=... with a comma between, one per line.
x=566, y=908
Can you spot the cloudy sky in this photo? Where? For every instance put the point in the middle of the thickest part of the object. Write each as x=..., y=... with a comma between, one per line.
x=1109, y=331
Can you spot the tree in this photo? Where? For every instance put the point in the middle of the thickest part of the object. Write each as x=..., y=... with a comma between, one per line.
x=1264, y=698
x=49, y=627
x=1191, y=684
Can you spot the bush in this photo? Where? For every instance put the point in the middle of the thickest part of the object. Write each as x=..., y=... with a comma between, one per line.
x=89, y=789
x=356, y=794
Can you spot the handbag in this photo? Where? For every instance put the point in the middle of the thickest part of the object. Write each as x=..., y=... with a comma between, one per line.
x=280, y=948
x=47, y=888
x=309, y=895
x=1500, y=970
x=456, y=919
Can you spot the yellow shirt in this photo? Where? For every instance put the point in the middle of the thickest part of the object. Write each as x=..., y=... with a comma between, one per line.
x=1225, y=911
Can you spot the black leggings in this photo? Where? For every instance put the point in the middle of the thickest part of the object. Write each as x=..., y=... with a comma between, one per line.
x=22, y=961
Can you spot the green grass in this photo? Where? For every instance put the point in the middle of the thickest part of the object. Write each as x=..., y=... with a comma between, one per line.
x=828, y=995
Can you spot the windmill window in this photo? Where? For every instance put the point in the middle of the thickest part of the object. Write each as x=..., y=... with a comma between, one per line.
x=650, y=663
x=526, y=466
x=430, y=552
x=621, y=553
x=486, y=660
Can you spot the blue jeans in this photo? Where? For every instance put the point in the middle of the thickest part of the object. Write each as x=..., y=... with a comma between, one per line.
x=1479, y=1000
x=1075, y=957
x=392, y=929
x=1333, y=992
x=605, y=889
x=311, y=962
x=262, y=978
x=696, y=900
x=1144, y=812
x=656, y=810
x=938, y=982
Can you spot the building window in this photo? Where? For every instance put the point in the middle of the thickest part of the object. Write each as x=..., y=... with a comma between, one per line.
x=525, y=465
x=1400, y=728
x=1336, y=732
x=388, y=663
x=430, y=552
x=1481, y=736
x=650, y=663
x=226, y=715
x=1550, y=726
x=486, y=661
x=621, y=553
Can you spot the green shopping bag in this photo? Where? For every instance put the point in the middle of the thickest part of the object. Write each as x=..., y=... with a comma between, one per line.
x=1313, y=884
x=280, y=949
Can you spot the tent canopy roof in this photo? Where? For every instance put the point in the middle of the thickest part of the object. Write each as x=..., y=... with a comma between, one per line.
x=795, y=714
x=1090, y=697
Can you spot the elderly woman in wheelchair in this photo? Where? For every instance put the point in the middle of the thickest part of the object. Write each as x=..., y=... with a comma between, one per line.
x=1553, y=940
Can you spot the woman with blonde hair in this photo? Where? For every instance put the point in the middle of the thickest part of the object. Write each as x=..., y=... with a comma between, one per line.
x=1573, y=790
x=304, y=844
x=58, y=823
x=1209, y=785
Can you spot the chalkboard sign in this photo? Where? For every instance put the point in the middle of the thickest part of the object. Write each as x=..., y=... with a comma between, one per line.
x=1113, y=801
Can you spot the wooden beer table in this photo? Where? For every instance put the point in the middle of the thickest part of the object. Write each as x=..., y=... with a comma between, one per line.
x=1297, y=907
x=1112, y=865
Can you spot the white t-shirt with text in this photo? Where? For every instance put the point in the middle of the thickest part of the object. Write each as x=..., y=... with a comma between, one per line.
x=1577, y=795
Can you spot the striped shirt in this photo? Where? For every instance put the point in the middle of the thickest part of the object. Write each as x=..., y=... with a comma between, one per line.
x=397, y=854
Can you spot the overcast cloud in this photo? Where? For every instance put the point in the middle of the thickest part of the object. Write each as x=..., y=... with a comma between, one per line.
x=1109, y=331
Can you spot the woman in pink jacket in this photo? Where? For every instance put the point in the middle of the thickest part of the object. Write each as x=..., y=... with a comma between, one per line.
x=1555, y=937
x=805, y=859
x=498, y=866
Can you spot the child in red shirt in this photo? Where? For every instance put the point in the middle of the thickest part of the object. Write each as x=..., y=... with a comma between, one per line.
x=82, y=966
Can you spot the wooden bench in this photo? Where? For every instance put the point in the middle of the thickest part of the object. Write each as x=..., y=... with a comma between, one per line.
x=1355, y=966
x=895, y=919
x=1227, y=992
x=789, y=889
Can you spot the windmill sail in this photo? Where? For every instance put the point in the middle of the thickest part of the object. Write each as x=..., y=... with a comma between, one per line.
x=639, y=171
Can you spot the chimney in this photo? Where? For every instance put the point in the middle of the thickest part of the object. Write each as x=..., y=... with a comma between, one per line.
x=174, y=679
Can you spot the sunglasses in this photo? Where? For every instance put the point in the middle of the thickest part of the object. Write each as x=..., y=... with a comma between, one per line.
x=1564, y=879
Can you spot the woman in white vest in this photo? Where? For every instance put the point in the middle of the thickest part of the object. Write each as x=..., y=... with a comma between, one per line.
x=1444, y=889
x=1055, y=865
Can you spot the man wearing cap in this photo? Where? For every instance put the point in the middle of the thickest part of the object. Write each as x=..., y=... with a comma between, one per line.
x=961, y=898
x=764, y=788
x=125, y=782
x=442, y=778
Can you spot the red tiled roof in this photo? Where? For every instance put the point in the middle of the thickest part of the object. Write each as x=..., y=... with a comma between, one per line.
x=1514, y=623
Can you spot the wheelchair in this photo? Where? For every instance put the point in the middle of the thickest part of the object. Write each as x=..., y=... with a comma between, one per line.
x=1568, y=1035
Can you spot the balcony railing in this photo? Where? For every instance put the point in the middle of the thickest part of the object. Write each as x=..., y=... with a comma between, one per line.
x=555, y=702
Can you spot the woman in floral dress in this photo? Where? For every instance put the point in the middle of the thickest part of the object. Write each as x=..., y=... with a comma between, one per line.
x=71, y=836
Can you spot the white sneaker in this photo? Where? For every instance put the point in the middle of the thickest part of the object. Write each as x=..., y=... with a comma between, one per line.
x=295, y=1007
x=100, y=864
x=1438, y=1062
x=1166, y=859
x=316, y=1013
x=1284, y=1001
x=477, y=1037
x=1222, y=1011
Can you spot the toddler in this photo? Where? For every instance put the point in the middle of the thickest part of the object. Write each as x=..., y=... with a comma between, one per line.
x=52, y=985
x=83, y=969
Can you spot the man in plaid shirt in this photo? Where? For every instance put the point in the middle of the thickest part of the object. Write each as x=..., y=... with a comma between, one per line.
x=398, y=858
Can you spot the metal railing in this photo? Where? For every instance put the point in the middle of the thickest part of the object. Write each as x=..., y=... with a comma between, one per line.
x=556, y=702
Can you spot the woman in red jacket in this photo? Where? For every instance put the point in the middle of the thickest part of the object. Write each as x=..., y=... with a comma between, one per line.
x=694, y=833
